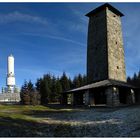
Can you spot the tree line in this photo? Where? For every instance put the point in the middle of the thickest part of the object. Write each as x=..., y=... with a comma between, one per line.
x=135, y=80
x=49, y=88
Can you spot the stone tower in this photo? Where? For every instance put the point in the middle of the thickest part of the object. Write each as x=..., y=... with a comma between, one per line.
x=105, y=54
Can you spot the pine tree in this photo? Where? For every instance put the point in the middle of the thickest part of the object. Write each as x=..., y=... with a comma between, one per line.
x=28, y=94
x=52, y=95
x=138, y=83
x=30, y=86
x=65, y=82
x=45, y=88
x=135, y=80
x=38, y=84
x=24, y=94
x=129, y=80
x=43, y=92
x=76, y=82
x=84, y=80
x=58, y=90
x=80, y=79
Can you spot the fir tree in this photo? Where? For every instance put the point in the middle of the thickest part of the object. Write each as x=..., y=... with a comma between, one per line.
x=52, y=95
x=65, y=82
x=38, y=84
x=30, y=86
x=24, y=94
x=58, y=90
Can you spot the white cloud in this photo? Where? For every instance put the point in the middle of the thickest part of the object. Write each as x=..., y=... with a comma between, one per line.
x=79, y=14
x=79, y=23
x=65, y=39
x=56, y=38
x=17, y=16
x=78, y=26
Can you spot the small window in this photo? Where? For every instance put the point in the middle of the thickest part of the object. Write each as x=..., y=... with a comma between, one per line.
x=116, y=42
x=117, y=67
x=114, y=16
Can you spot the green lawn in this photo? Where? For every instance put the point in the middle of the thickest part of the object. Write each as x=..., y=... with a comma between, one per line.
x=29, y=112
x=21, y=112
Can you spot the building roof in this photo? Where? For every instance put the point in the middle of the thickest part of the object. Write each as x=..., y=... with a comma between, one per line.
x=100, y=8
x=103, y=83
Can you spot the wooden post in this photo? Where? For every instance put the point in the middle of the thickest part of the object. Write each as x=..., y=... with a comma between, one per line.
x=87, y=98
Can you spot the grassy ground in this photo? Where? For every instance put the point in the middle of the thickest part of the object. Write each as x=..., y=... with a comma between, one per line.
x=55, y=121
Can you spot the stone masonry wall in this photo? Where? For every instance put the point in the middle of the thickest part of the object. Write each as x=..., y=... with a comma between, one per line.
x=105, y=54
x=97, y=51
x=116, y=64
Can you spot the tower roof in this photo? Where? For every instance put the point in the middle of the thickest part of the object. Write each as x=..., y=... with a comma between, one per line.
x=11, y=55
x=100, y=8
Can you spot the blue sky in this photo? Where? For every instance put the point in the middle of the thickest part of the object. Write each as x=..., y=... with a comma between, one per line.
x=52, y=37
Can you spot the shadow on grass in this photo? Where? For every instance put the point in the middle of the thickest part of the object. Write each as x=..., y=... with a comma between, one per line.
x=20, y=128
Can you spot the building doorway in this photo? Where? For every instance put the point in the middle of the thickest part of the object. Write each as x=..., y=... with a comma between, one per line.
x=98, y=97
x=123, y=94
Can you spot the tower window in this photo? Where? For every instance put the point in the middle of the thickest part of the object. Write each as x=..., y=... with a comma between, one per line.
x=116, y=42
x=117, y=67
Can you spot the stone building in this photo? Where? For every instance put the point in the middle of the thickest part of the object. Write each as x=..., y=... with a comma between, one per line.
x=10, y=97
x=106, y=74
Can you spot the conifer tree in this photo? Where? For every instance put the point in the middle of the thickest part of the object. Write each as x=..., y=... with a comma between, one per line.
x=135, y=80
x=30, y=86
x=52, y=96
x=65, y=82
x=129, y=80
x=58, y=90
x=28, y=94
x=38, y=84
x=76, y=82
x=80, y=79
x=84, y=80
x=24, y=94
